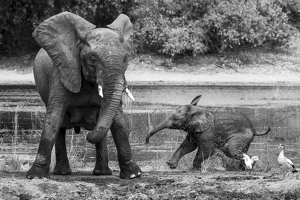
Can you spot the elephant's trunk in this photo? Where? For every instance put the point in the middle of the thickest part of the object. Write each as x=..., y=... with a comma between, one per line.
x=164, y=124
x=112, y=94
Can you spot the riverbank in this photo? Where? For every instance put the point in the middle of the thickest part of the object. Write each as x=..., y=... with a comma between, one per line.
x=156, y=77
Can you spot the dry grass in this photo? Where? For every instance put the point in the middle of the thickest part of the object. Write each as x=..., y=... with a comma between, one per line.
x=76, y=162
x=73, y=152
x=15, y=161
x=12, y=162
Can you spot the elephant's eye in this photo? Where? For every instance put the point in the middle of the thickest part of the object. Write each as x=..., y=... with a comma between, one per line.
x=126, y=60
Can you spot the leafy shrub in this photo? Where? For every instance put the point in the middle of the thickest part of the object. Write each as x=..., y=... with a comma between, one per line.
x=171, y=27
x=251, y=23
x=201, y=26
x=292, y=9
x=18, y=18
x=167, y=28
x=184, y=38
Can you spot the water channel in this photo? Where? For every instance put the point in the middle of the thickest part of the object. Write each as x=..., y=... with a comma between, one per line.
x=277, y=106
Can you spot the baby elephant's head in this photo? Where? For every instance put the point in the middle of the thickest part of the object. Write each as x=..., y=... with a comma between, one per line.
x=190, y=118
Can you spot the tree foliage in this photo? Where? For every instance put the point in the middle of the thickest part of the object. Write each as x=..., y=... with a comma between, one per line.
x=170, y=27
x=18, y=18
x=201, y=26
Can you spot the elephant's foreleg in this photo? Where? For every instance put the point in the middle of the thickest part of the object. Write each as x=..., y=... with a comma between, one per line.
x=62, y=166
x=129, y=169
x=101, y=167
x=51, y=127
x=204, y=151
x=187, y=146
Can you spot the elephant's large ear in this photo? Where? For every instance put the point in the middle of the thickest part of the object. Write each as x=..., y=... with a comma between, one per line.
x=60, y=36
x=123, y=26
x=200, y=122
x=196, y=100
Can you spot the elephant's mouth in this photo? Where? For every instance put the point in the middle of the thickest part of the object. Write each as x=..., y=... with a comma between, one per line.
x=89, y=77
x=92, y=77
x=89, y=73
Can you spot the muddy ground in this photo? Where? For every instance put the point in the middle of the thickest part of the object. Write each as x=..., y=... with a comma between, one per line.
x=259, y=67
x=153, y=185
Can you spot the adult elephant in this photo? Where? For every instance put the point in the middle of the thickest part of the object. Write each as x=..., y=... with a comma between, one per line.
x=80, y=76
x=228, y=133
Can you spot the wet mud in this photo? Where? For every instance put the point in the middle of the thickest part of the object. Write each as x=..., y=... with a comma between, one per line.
x=152, y=185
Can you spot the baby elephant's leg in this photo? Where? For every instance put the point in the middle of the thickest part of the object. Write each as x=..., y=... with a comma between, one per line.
x=187, y=146
x=205, y=150
x=206, y=145
x=236, y=146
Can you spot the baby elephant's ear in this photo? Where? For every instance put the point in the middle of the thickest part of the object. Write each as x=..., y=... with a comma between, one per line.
x=200, y=122
x=123, y=26
x=196, y=100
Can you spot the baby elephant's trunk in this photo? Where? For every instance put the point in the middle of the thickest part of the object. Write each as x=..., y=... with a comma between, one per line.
x=159, y=127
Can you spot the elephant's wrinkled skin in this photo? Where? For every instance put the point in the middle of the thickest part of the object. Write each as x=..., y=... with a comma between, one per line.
x=227, y=133
x=80, y=76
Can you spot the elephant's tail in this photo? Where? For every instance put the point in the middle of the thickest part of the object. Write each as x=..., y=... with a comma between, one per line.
x=261, y=134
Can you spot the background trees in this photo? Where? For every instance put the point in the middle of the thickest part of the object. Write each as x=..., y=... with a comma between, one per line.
x=170, y=27
x=18, y=18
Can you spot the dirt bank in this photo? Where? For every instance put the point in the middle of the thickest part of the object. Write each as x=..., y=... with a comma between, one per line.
x=150, y=70
x=152, y=185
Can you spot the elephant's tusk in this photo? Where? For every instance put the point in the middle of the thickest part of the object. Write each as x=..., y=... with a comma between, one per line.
x=129, y=94
x=132, y=176
x=100, y=91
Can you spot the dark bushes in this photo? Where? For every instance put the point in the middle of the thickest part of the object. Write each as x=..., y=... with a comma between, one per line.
x=202, y=26
x=18, y=18
x=170, y=27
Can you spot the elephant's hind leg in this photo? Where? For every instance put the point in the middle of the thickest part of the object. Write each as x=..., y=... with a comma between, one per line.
x=187, y=146
x=101, y=167
x=62, y=166
x=236, y=146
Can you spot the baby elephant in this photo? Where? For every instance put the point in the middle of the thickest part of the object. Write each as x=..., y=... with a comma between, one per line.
x=230, y=133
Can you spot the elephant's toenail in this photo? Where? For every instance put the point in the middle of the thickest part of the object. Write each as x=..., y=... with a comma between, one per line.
x=132, y=176
x=139, y=173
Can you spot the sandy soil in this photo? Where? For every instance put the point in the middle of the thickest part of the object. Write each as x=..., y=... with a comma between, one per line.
x=143, y=71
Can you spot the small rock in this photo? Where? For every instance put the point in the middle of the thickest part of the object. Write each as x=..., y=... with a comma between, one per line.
x=138, y=196
x=152, y=191
x=25, y=197
x=82, y=193
x=193, y=194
